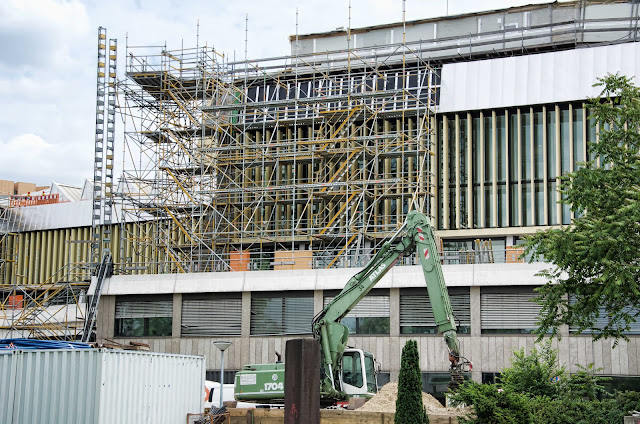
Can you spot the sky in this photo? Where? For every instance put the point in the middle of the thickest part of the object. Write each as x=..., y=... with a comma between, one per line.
x=48, y=56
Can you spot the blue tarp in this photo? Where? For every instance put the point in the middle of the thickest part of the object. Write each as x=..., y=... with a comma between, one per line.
x=33, y=344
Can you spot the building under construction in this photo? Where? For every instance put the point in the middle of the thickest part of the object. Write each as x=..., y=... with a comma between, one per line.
x=251, y=189
x=307, y=160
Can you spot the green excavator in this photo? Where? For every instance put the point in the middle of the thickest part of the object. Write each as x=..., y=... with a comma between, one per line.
x=350, y=372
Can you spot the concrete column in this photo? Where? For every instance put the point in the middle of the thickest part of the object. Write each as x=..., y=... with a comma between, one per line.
x=318, y=302
x=476, y=334
x=105, y=319
x=245, y=329
x=394, y=307
x=245, y=326
x=176, y=330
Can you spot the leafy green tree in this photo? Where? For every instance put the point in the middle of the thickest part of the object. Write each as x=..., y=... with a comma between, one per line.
x=409, y=407
x=535, y=374
x=597, y=259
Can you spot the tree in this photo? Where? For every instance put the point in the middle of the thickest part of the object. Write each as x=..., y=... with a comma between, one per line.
x=597, y=259
x=535, y=374
x=409, y=407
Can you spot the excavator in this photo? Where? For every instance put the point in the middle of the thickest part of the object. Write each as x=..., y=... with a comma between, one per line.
x=350, y=372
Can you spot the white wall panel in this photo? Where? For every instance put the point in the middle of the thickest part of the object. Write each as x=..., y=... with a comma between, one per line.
x=534, y=79
x=320, y=279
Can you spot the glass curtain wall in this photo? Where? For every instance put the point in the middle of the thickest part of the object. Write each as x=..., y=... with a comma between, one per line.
x=501, y=168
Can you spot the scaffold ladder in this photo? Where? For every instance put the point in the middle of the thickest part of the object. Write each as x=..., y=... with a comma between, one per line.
x=103, y=271
x=107, y=209
x=99, y=148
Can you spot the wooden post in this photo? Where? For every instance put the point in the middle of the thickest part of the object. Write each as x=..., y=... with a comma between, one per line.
x=302, y=382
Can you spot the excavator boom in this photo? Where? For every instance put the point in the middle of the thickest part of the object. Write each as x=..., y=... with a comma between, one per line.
x=415, y=236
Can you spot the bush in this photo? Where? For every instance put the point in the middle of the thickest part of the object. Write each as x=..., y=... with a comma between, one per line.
x=535, y=390
x=409, y=407
x=584, y=385
x=536, y=374
x=493, y=405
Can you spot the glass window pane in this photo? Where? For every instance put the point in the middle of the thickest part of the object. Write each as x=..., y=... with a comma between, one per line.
x=526, y=145
x=501, y=148
x=477, y=166
x=159, y=327
x=551, y=143
x=578, y=136
x=537, y=147
x=539, y=216
x=553, y=219
x=528, y=207
x=352, y=369
x=129, y=327
x=565, y=142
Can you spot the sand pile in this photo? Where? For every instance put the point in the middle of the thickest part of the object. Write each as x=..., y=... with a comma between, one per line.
x=385, y=401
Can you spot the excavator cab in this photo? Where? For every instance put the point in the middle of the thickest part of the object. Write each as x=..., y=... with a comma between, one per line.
x=358, y=373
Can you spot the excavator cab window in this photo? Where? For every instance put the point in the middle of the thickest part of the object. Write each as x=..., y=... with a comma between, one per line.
x=369, y=368
x=352, y=369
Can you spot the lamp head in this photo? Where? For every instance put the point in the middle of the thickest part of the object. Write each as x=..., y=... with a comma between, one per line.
x=222, y=345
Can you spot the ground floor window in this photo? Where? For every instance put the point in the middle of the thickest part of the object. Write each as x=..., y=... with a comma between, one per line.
x=149, y=316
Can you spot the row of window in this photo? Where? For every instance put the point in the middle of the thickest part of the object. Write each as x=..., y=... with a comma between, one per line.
x=420, y=86
x=503, y=310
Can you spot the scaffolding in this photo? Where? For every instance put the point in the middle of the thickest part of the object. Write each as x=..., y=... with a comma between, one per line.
x=230, y=164
x=33, y=302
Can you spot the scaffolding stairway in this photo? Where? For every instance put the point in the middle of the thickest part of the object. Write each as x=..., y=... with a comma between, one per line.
x=104, y=271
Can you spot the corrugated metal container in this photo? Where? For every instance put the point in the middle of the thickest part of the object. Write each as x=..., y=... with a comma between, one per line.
x=99, y=386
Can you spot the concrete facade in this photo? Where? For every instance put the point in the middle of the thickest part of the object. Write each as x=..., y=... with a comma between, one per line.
x=488, y=352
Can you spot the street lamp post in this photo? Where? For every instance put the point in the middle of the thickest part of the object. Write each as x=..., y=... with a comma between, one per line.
x=222, y=346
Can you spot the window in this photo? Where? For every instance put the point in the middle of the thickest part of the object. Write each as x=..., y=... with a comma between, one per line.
x=211, y=314
x=603, y=320
x=369, y=316
x=416, y=314
x=148, y=316
x=352, y=369
x=274, y=314
x=508, y=310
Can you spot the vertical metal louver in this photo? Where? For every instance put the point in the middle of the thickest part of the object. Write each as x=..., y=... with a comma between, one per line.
x=212, y=315
x=275, y=315
x=513, y=310
x=416, y=310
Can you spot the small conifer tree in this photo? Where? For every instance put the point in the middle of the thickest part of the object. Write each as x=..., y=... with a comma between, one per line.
x=409, y=407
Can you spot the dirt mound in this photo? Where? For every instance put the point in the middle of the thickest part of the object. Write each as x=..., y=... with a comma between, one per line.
x=385, y=401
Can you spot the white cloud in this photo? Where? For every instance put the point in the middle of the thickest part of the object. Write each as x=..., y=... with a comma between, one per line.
x=28, y=157
x=40, y=33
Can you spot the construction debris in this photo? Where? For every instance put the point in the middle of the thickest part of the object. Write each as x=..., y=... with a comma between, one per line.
x=112, y=344
x=385, y=401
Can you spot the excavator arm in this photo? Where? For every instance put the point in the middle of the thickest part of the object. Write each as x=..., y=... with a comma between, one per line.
x=415, y=236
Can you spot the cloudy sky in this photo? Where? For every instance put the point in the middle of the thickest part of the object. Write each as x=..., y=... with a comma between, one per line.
x=48, y=59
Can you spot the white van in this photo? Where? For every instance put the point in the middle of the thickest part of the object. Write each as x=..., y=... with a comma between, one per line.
x=212, y=393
